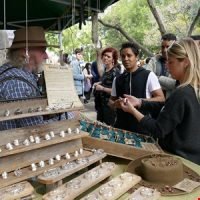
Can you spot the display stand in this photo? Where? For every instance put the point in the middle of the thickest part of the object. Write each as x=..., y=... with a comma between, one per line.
x=22, y=157
x=22, y=190
x=82, y=183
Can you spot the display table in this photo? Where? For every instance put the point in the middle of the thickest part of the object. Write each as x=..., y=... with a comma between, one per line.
x=122, y=163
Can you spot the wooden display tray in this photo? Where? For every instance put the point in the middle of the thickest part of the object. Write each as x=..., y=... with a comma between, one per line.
x=116, y=149
x=28, y=173
x=65, y=173
x=85, y=184
x=24, y=106
x=10, y=192
x=57, y=139
x=22, y=157
x=115, y=188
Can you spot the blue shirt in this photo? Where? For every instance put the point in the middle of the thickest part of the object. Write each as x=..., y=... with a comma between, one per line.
x=17, y=83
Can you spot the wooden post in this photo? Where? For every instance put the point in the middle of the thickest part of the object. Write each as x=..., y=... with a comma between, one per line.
x=97, y=42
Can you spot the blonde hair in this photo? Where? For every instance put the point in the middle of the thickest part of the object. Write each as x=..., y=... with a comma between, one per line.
x=16, y=58
x=187, y=48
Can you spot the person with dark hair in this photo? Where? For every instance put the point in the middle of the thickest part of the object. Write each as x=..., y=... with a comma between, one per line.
x=177, y=125
x=66, y=58
x=102, y=89
x=135, y=81
x=157, y=64
x=95, y=73
x=77, y=72
x=87, y=81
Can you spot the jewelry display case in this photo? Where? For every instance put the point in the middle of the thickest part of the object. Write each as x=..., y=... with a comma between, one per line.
x=56, y=152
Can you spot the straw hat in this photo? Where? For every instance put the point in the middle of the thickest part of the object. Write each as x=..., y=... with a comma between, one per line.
x=35, y=38
x=166, y=189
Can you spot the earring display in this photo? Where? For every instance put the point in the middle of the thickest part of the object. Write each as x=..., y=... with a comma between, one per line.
x=52, y=134
x=41, y=163
x=31, y=138
x=16, y=191
x=77, y=131
x=4, y=175
x=16, y=142
x=39, y=109
x=92, y=197
x=30, y=110
x=76, y=154
x=78, y=185
x=52, y=172
x=62, y=133
x=18, y=172
x=69, y=130
x=26, y=142
x=9, y=146
x=51, y=161
x=33, y=167
x=37, y=139
x=47, y=137
x=67, y=156
x=18, y=112
x=81, y=151
x=105, y=132
x=144, y=193
x=58, y=157
x=116, y=187
x=7, y=113
x=71, y=167
x=59, y=195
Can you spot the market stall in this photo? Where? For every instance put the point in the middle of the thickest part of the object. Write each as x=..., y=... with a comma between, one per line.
x=72, y=158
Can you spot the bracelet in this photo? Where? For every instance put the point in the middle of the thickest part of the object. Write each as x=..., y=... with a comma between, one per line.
x=103, y=89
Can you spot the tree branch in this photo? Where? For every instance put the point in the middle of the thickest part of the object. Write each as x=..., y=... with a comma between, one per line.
x=191, y=27
x=125, y=34
x=157, y=17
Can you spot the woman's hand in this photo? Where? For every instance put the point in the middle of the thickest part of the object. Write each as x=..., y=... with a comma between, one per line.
x=99, y=88
x=134, y=101
x=126, y=105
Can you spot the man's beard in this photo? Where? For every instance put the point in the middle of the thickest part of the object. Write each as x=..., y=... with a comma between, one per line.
x=39, y=68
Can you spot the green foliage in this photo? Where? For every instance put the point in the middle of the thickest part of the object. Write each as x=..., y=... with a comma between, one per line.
x=134, y=17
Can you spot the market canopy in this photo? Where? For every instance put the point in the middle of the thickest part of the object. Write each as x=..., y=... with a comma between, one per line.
x=50, y=14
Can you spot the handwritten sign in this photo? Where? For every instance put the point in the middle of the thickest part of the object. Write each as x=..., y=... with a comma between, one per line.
x=61, y=92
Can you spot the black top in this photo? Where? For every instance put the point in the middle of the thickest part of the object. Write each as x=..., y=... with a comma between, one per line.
x=134, y=84
x=177, y=125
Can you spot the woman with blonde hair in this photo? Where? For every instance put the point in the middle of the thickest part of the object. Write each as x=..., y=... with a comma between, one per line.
x=177, y=126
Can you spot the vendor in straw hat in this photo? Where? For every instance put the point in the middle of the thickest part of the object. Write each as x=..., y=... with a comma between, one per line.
x=18, y=77
x=177, y=125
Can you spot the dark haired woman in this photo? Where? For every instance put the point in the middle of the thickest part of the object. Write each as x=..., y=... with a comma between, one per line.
x=105, y=114
x=87, y=81
x=135, y=81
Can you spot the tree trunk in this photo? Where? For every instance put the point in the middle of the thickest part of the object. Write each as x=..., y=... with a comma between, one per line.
x=125, y=34
x=191, y=27
x=157, y=17
x=97, y=43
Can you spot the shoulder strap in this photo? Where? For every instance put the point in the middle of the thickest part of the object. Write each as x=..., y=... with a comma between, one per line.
x=7, y=69
x=16, y=78
x=21, y=79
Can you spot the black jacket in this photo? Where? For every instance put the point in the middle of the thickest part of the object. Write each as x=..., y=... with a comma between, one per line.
x=178, y=125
